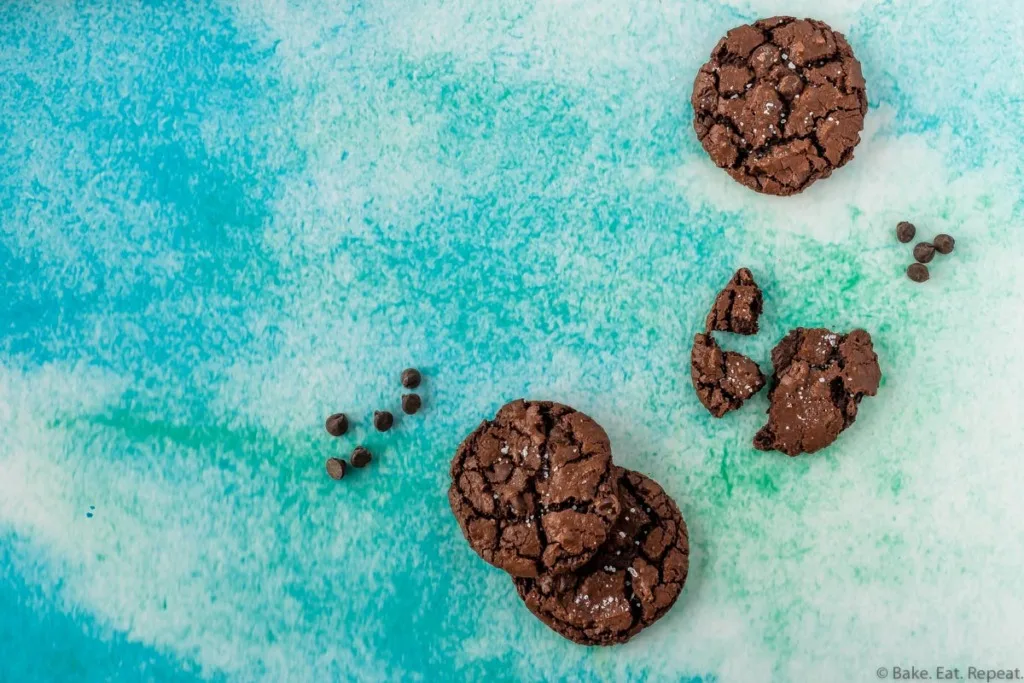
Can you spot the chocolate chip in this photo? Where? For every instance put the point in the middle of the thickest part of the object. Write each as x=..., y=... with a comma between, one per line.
x=917, y=272
x=383, y=420
x=411, y=404
x=335, y=468
x=905, y=231
x=923, y=252
x=337, y=424
x=943, y=243
x=361, y=457
x=411, y=378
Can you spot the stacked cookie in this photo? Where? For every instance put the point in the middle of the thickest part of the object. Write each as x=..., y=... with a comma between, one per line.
x=597, y=552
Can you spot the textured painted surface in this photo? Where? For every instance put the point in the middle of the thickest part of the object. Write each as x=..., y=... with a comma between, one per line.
x=218, y=224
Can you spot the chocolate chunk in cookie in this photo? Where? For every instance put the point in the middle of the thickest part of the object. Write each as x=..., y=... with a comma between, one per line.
x=533, y=489
x=780, y=104
x=737, y=307
x=630, y=583
x=723, y=379
x=819, y=379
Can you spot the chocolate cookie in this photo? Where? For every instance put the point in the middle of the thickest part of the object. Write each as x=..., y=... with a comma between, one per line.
x=819, y=379
x=780, y=104
x=723, y=379
x=633, y=580
x=533, y=489
x=737, y=307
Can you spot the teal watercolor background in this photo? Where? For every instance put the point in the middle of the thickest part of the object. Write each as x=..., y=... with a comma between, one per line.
x=221, y=221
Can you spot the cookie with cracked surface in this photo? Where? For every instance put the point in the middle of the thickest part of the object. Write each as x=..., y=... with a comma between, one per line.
x=780, y=104
x=723, y=379
x=633, y=580
x=533, y=489
x=737, y=307
x=818, y=382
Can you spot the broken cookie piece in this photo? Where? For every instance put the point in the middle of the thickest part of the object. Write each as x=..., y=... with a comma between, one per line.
x=723, y=379
x=818, y=381
x=737, y=307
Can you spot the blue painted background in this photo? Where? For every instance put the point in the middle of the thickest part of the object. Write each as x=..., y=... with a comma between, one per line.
x=222, y=221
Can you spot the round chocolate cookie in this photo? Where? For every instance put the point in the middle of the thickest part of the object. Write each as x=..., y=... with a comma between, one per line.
x=633, y=580
x=780, y=104
x=533, y=489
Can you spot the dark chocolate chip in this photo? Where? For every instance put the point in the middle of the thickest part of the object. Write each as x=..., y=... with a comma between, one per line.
x=917, y=272
x=943, y=243
x=411, y=378
x=337, y=424
x=361, y=457
x=335, y=468
x=923, y=252
x=383, y=420
x=411, y=404
x=905, y=231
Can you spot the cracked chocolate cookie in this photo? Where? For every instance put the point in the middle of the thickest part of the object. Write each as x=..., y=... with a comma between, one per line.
x=723, y=379
x=533, y=489
x=780, y=104
x=737, y=307
x=633, y=580
x=819, y=379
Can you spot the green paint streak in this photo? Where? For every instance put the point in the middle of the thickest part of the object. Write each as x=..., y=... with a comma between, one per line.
x=724, y=471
